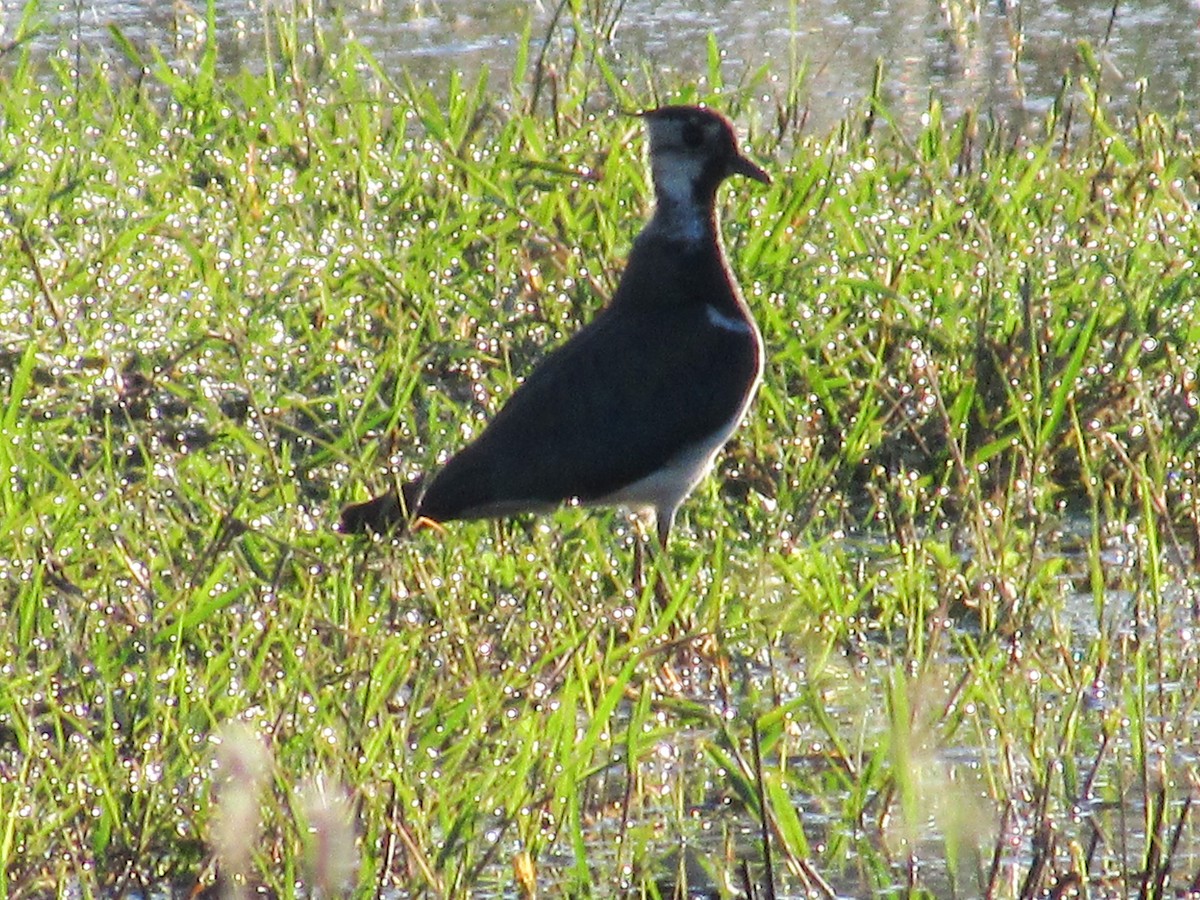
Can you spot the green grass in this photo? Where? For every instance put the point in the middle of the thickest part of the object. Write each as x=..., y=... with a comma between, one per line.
x=943, y=579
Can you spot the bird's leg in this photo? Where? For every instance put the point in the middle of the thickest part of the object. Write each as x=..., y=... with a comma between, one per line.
x=643, y=553
x=663, y=522
x=638, y=579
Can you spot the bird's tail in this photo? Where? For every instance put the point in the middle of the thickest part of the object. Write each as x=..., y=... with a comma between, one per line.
x=390, y=513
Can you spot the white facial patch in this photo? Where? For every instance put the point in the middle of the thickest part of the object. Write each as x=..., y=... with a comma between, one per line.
x=675, y=178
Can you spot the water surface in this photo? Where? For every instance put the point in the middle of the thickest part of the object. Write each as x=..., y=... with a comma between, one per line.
x=1004, y=58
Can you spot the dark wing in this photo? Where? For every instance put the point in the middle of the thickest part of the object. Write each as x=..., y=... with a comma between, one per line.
x=612, y=405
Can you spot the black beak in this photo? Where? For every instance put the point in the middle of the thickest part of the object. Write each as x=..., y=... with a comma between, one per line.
x=741, y=165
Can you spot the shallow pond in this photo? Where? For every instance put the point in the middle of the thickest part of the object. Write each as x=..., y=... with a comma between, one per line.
x=1005, y=57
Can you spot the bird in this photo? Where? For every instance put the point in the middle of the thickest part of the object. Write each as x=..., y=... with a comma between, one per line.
x=633, y=409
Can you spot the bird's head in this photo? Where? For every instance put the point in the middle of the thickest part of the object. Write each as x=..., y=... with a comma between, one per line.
x=692, y=150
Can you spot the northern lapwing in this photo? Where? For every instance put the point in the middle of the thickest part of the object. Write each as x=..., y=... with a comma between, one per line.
x=633, y=409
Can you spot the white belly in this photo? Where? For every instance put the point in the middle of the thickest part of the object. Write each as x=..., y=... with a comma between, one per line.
x=663, y=490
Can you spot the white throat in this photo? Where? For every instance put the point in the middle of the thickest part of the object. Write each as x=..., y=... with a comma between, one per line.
x=677, y=214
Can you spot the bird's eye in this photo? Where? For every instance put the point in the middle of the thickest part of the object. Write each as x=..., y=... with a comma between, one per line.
x=693, y=134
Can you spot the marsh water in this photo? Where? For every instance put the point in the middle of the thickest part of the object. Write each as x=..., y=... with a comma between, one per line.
x=1000, y=57
x=1007, y=59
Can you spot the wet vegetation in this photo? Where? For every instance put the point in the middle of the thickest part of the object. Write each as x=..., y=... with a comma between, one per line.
x=933, y=622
